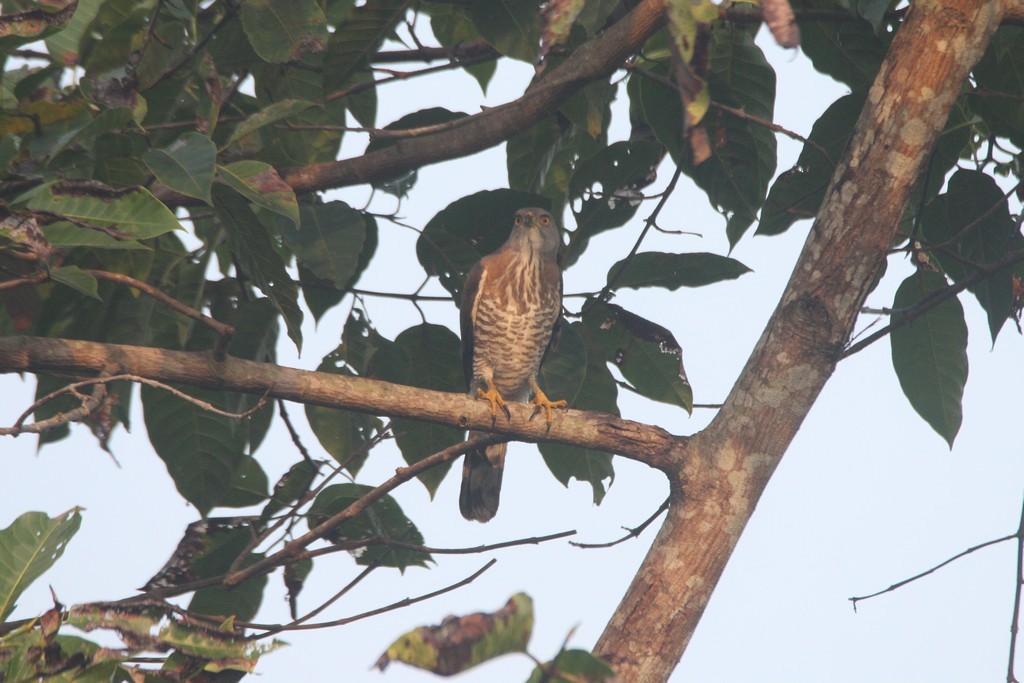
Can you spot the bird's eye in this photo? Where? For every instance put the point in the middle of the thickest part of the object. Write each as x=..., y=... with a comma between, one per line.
x=519, y=220
x=545, y=220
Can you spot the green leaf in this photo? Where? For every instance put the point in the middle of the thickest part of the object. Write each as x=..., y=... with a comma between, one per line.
x=460, y=643
x=929, y=354
x=254, y=250
x=672, y=271
x=573, y=666
x=198, y=447
x=278, y=111
x=344, y=434
x=208, y=548
x=249, y=486
x=850, y=51
x=400, y=185
x=362, y=32
x=18, y=28
x=133, y=211
x=286, y=147
x=972, y=221
x=467, y=229
x=743, y=154
x=283, y=30
x=605, y=188
x=434, y=361
x=999, y=76
x=77, y=279
x=63, y=46
x=513, y=27
x=559, y=17
x=66, y=235
x=453, y=27
x=798, y=192
x=186, y=166
x=289, y=488
x=646, y=354
x=579, y=375
x=28, y=547
x=383, y=520
x=329, y=242
x=260, y=183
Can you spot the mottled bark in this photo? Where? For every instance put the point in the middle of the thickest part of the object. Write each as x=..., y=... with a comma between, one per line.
x=648, y=444
x=727, y=466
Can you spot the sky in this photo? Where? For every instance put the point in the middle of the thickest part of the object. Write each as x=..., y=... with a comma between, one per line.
x=866, y=496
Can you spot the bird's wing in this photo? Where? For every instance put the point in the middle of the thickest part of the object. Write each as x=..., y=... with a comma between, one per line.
x=467, y=313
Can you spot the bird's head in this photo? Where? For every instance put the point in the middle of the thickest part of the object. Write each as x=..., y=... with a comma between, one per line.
x=535, y=229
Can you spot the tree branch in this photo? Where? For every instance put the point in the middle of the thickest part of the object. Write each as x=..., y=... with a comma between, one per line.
x=600, y=431
x=595, y=59
x=901, y=318
x=729, y=464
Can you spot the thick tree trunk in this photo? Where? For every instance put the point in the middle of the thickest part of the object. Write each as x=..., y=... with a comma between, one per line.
x=727, y=466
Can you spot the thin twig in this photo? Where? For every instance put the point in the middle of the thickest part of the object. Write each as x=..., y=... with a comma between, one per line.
x=372, y=84
x=405, y=602
x=733, y=111
x=19, y=428
x=474, y=48
x=774, y=127
x=402, y=475
x=296, y=439
x=402, y=545
x=648, y=224
x=632, y=532
x=200, y=44
x=1015, y=620
x=223, y=330
x=934, y=569
x=907, y=315
x=24, y=281
x=88, y=405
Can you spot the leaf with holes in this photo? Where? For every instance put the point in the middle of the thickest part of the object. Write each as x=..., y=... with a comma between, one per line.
x=460, y=643
x=28, y=547
x=646, y=353
x=605, y=188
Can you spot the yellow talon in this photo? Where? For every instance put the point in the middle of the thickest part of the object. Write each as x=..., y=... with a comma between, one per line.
x=495, y=400
x=542, y=402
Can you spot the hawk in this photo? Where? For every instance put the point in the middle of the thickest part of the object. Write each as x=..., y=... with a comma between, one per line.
x=510, y=304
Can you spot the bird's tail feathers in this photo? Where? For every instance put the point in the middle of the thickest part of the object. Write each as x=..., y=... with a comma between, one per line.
x=481, y=482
